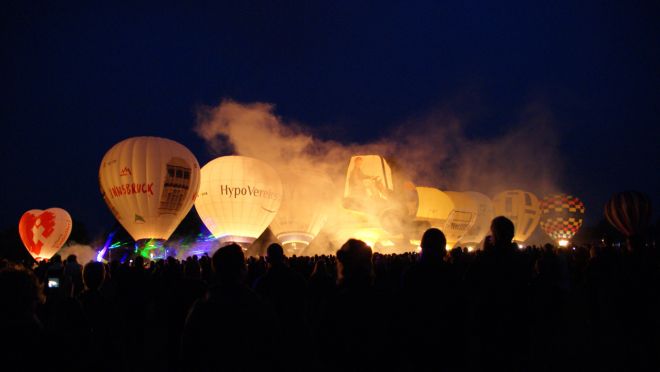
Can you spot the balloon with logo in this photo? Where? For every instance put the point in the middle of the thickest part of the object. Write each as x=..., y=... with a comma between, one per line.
x=522, y=208
x=452, y=212
x=149, y=184
x=238, y=198
x=481, y=226
x=43, y=232
x=562, y=216
x=306, y=201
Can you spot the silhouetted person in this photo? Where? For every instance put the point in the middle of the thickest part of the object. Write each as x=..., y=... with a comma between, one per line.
x=429, y=296
x=23, y=342
x=497, y=283
x=354, y=331
x=73, y=270
x=285, y=289
x=99, y=315
x=232, y=328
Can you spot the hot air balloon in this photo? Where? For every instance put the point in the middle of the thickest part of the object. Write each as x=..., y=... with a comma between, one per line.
x=368, y=184
x=44, y=232
x=238, y=198
x=306, y=202
x=149, y=184
x=561, y=217
x=522, y=208
x=630, y=213
x=452, y=212
x=481, y=226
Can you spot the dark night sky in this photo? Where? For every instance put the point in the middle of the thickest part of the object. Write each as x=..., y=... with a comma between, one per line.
x=76, y=79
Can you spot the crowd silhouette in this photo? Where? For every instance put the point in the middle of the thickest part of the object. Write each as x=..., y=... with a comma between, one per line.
x=497, y=309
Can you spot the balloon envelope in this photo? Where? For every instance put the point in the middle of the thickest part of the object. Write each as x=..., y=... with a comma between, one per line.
x=452, y=212
x=238, y=197
x=485, y=215
x=561, y=216
x=149, y=184
x=306, y=202
x=629, y=212
x=522, y=208
x=44, y=232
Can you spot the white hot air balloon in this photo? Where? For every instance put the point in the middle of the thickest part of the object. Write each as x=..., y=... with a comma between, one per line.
x=238, y=198
x=149, y=184
x=44, y=232
x=522, y=208
x=306, y=202
x=481, y=226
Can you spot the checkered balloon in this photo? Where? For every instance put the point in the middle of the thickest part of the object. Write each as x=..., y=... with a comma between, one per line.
x=562, y=216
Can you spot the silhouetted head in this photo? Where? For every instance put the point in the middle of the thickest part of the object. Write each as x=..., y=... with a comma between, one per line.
x=354, y=263
x=229, y=263
x=72, y=259
x=192, y=269
x=20, y=291
x=93, y=275
x=502, y=230
x=275, y=254
x=139, y=262
x=56, y=259
x=434, y=245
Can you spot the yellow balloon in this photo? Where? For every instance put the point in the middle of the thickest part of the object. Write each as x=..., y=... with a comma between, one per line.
x=149, y=184
x=238, y=198
x=522, y=208
x=452, y=212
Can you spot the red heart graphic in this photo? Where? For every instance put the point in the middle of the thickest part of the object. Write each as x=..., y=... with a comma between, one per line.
x=33, y=227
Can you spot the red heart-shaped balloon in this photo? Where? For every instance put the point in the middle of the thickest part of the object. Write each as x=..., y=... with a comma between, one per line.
x=44, y=232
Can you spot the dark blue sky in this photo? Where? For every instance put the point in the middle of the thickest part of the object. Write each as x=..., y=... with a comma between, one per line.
x=75, y=79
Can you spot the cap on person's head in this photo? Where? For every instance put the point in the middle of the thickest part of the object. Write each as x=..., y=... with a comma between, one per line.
x=275, y=253
x=229, y=261
x=434, y=243
x=72, y=258
x=502, y=229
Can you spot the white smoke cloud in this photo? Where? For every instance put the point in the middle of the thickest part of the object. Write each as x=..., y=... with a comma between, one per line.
x=84, y=253
x=431, y=149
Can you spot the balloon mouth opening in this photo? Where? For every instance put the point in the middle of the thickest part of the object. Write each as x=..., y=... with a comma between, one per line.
x=295, y=242
x=152, y=249
x=243, y=241
x=563, y=243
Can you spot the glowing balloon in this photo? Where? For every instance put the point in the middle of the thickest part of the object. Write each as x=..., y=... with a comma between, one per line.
x=238, y=198
x=368, y=184
x=452, y=212
x=462, y=218
x=306, y=202
x=149, y=184
x=522, y=208
x=629, y=212
x=561, y=217
x=44, y=232
x=481, y=226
